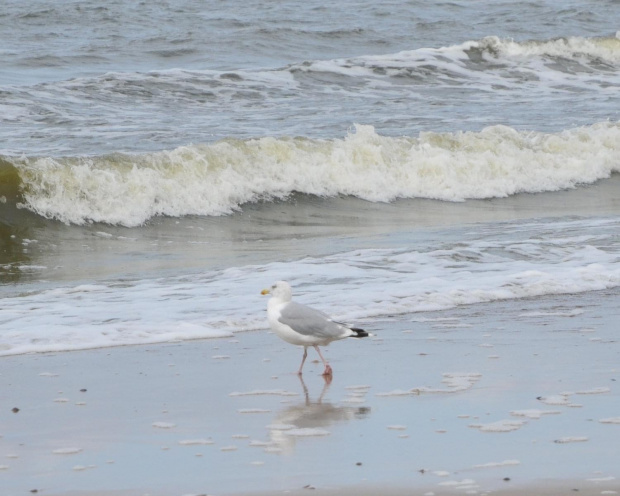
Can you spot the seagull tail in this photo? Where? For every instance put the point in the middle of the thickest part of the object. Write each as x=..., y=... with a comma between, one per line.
x=360, y=333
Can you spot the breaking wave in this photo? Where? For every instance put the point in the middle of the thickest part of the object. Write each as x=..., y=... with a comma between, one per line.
x=217, y=179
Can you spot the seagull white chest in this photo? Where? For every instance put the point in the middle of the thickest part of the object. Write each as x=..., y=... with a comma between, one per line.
x=283, y=331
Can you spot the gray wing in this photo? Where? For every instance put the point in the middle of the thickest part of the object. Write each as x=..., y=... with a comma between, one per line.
x=310, y=322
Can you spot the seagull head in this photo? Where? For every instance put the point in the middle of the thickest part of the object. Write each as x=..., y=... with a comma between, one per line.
x=281, y=290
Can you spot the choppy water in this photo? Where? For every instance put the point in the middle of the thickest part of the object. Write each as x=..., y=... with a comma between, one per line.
x=162, y=162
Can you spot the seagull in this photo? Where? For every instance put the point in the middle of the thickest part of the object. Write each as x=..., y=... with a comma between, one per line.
x=304, y=326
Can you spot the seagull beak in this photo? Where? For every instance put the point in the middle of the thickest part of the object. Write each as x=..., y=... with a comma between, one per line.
x=265, y=291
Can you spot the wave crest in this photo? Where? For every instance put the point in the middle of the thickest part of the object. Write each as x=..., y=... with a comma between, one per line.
x=602, y=49
x=218, y=178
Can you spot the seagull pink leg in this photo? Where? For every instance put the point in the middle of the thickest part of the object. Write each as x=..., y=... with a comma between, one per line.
x=303, y=360
x=328, y=369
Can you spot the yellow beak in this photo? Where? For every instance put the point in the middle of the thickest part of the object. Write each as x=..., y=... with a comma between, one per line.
x=265, y=291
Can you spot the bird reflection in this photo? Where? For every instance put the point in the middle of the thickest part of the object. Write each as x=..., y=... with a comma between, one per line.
x=309, y=419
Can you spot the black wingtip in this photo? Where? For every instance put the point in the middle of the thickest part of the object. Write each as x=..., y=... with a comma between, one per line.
x=360, y=333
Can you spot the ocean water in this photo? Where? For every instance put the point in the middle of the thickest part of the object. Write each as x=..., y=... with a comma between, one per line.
x=162, y=162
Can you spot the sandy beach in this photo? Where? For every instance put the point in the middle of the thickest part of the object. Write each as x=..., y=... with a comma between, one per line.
x=505, y=398
x=444, y=175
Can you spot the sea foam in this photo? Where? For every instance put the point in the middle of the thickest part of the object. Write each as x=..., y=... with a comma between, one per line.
x=525, y=260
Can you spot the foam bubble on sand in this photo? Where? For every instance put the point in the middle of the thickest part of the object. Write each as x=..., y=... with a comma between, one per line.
x=354, y=399
x=163, y=425
x=458, y=484
x=602, y=479
x=459, y=381
x=357, y=394
x=79, y=468
x=48, y=374
x=281, y=427
x=571, y=439
x=195, y=442
x=273, y=449
x=505, y=463
x=455, y=382
x=253, y=410
x=559, y=400
x=399, y=392
x=441, y=473
x=240, y=436
x=597, y=390
x=228, y=448
x=4, y=467
x=61, y=400
x=457, y=325
x=570, y=313
x=397, y=427
x=500, y=426
x=67, y=451
x=533, y=414
x=220, y=357
x=260, y=444
x=307, y=432
x=264, y=392
x=610, y=420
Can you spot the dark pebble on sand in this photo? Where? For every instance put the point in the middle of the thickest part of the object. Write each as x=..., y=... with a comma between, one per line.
x=15, y=410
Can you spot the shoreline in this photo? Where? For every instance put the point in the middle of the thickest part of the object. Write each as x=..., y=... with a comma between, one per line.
x=470, y=396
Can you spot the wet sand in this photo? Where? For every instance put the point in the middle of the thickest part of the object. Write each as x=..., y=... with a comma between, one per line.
x=515, y=397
